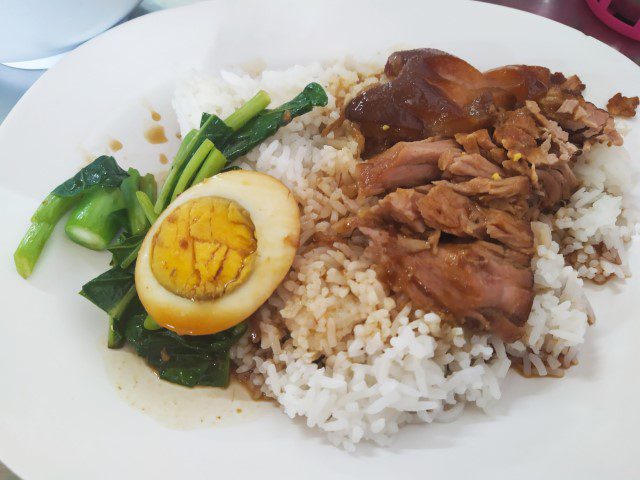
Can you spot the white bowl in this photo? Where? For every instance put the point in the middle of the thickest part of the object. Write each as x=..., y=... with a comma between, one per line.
x=32, y=29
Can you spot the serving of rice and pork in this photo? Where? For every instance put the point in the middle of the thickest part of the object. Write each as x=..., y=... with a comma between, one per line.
x=449, y=218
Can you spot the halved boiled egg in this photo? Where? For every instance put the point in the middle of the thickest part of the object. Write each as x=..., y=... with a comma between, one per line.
x=218, y=252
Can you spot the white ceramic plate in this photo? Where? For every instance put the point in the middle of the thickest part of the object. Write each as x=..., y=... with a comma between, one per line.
x=70, y=409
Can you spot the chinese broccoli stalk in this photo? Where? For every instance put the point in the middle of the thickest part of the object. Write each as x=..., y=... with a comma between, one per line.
x=102, y=172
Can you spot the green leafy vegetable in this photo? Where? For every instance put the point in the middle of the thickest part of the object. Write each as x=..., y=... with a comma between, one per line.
x=31, y=245
x=212, y=165
x=52, y=209
x=218, y=132
x=129, y=187
x=214, y=129
x=192, y=167
x=42, y=223
x=151, y=324
x=103, y=171
x=149, y=186
x=125, y=250
x=92, y=223
x=112, y=292
x=186, y=360
x=268, y=122
x=147, y=207
x=109, y=200
x=250, y=109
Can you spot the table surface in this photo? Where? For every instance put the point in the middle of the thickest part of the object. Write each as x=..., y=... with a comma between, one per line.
x=575, y=13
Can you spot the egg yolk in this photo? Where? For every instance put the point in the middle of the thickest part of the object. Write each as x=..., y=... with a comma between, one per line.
x=204, y=248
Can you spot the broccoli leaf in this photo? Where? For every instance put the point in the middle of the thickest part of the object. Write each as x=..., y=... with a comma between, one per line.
x=183, y=359
x=268, y=122
x=125, y=250
x=214, y=128
x=103, y=171
x=112, y=291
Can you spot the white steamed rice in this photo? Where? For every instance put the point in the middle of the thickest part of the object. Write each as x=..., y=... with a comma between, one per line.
x=385, y=364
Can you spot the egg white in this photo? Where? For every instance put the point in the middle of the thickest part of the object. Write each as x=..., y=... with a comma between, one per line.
x=276, y=217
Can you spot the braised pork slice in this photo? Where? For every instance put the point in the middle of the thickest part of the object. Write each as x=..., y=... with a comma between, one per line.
x=454, y=229
x=555, y=184
x=475, y=142
x=444, y=209
x=401, y=206
x=622, y=106
x=478, y=284
x=496, y=188
x=519, y=134
x=468, y=165
x=434, y=93
x=586, y=124
x=406, y=164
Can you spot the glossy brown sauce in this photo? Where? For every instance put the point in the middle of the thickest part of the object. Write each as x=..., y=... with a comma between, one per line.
x=155, y=134
x=155, y=116
x=163, y=159
x=115, y=145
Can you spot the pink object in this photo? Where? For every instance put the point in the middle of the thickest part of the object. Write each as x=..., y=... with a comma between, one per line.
x=623, y=16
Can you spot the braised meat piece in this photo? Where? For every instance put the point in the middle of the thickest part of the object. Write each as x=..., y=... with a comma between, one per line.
x=505, y=227
x=468, y=165
x=498, y=153
x=585, y=123
x=500, y=188
x=401, y=207
x=434, y=93
x=519, y=134
x=622, y=106
x=442, y=209
x=555, y=185
x=480, y=142
x=406, y=164
x=478, y=284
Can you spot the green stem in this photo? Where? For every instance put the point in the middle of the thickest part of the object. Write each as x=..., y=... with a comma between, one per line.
x=150, y=323
x=187, y=147
x=147, y=207
x=130, y=258
x=116, y=337
x=246, y=112
x=52, y=209
x=149, y=186
x=191, y=145
x=188, y=138
x=31, y=245
x=192, y=167
x=129, y=187
x=214, y=164
x=43, y=220
x=91, y=223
